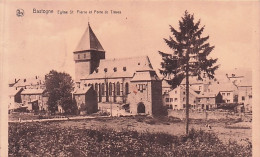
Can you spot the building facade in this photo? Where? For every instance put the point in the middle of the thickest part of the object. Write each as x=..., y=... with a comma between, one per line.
x=86, y=100
x=116, y=80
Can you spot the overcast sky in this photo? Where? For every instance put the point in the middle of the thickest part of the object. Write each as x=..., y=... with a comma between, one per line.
x=37, y=43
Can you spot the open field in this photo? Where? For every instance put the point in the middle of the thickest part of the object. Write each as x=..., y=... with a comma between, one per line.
x=123, y=135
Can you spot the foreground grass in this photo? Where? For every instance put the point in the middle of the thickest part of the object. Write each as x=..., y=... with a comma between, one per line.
x=46, y=139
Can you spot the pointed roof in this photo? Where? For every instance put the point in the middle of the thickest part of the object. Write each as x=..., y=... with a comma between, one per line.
x=89, y=41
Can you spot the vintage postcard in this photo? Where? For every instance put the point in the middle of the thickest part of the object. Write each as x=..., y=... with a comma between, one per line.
x=133, y=78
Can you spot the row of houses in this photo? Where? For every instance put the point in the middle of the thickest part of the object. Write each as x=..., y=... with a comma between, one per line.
x=35, y=98
x=209, y=94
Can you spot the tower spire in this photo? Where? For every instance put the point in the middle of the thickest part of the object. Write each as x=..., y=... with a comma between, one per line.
x=88, y=54
x=89, y=41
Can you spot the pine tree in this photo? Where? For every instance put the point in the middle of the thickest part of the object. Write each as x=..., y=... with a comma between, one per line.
x=189, y=56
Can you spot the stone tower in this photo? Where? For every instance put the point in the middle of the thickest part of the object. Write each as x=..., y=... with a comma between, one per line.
x=87, y=54
x=146, y=92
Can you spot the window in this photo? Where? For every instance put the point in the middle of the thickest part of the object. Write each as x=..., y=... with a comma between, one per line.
x=171, y=99
x=250, y=96
x=167, y=99
x=141, y=87
x=117, y=88
x=184, y=105
x=199, y=87
x=199, y=100
x=103, y=89
x=228, y=94
x=78, y=56
x=110, y=88
x=228, y=101
x=183, y=92
x=176, y=92
x=96, y=87
x=175, y=99
x=115, y=69
x=126, y=88
x=223, y=94
x=84, y=55
x=183, y=99
x=105, y=69
x=124, y=68
x=243, y=98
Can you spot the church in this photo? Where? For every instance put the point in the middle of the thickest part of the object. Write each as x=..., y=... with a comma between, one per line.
x=123, y=81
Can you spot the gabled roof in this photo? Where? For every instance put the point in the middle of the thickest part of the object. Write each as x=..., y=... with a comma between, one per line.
x=148, y=75
x=89, y=41
x=165, y=84
x=192, y=80
x=207, y=95
x=120, y=67
x=83, y=90
x=30, y=81
x=222, y=87
x=32, y=91
x=13, y=91
x=246, y=82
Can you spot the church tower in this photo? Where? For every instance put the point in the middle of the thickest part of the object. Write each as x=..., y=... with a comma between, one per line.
x=87, y=54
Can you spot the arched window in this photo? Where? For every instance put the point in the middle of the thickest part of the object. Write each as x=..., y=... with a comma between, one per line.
x=117, y=88
x=96, y=87
x=103, y=89
x=126, y=88
x=110, y=88
x=99, y=93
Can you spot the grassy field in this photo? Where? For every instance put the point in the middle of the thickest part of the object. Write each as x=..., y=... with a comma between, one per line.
x=130, y=136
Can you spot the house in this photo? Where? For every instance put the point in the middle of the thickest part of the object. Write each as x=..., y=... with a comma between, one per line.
x=86, y=100
x=245, y=94
x=115, y=79
x=206, y=101
x=166, y=88
x=198, y=99
x=34, y=99
x=176, y=99
x=227, y=90
x=15, y=99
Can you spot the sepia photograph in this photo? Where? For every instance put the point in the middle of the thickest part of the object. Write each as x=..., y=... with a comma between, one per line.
x=132, y=78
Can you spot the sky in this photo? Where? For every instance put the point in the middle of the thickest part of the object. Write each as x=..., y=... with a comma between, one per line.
x=36, y=43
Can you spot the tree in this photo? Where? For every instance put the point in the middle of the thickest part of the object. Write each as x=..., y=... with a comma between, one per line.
x=189, y=56
x=59, y=87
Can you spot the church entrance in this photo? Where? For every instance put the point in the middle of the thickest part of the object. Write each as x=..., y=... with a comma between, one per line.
x=140, y=108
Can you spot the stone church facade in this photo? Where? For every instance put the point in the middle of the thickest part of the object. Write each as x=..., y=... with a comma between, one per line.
x=120, y=81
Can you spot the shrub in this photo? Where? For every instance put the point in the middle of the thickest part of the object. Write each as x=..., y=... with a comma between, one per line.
x=48, y=139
